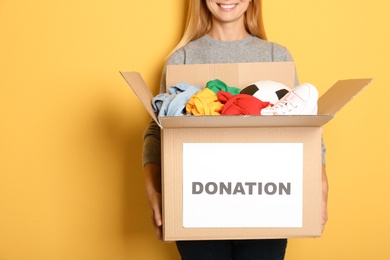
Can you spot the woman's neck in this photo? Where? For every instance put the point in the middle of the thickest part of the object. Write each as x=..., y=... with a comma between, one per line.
x=228, y=32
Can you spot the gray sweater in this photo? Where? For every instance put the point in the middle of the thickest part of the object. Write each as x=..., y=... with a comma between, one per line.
x=209, y=50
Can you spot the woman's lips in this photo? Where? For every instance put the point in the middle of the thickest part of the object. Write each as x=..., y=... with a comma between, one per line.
x=227, y=6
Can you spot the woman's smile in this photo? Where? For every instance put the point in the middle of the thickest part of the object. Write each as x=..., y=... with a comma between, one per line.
x=227, y=7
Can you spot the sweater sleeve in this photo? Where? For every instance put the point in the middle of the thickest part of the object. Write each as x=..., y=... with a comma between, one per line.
x=151, y=152
x=280, y=53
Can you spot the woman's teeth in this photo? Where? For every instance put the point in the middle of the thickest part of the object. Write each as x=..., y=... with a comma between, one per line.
x=227, y=6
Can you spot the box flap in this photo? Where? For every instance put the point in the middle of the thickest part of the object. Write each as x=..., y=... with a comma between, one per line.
x=244, y=121
x=340, y=94
x=137, y=83
x=237, y=75
x=234, y=74
x=241, y=75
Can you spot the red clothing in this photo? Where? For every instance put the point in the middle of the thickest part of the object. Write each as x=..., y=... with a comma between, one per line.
x=240, y=104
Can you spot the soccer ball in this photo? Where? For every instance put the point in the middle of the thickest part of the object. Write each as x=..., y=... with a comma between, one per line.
x=266, y=90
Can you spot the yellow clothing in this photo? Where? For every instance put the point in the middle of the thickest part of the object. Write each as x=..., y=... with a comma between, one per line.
x=205, y=102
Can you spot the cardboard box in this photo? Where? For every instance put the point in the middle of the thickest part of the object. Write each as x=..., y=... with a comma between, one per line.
x=242, y=177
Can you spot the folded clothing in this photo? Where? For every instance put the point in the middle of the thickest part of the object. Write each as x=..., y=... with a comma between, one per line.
x=217, y=85
x=241, y=104
x=204, y=102
x=173, y=104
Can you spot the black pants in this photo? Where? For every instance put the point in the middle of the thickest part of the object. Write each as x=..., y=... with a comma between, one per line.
x=265, y=249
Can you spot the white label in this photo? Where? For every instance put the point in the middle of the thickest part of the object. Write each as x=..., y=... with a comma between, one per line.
x=242, y=185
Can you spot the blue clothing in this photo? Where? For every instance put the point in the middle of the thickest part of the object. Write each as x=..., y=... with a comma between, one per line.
x=174, y=104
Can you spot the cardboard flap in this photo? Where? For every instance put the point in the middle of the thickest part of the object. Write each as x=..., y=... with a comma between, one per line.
x=340, y=94
x=237, y=75
x=138, y=85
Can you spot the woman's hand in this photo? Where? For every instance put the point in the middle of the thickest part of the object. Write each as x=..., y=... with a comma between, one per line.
x=156, y=205
x=153, y=190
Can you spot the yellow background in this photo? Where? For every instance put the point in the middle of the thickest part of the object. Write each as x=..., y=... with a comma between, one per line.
x=71, y=181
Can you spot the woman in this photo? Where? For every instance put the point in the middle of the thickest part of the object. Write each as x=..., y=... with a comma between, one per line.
x=218, y=31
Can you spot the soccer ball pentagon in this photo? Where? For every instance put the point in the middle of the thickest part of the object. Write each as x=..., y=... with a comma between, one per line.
x=266, y=90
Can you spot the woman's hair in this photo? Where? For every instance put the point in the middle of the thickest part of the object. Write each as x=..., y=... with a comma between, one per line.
x=199, y=21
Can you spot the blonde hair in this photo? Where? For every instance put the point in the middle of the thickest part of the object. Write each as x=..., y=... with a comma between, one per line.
x=199, y=21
